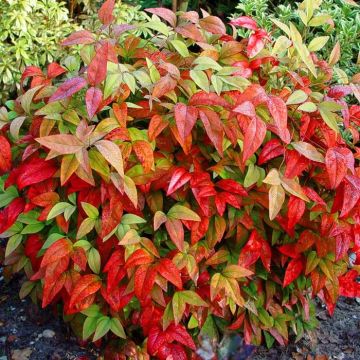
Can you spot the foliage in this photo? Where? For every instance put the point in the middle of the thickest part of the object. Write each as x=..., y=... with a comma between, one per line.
x=123, y=14
x=337, y=19
x=30, y=31
x=177, y=187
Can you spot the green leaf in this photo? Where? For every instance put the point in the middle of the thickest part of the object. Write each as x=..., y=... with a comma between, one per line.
x=102, y=327
x=180, y=47
x=318, y=43
x=85, y=227
x=130, y=219
x=153, y=71
x=182, y=213
x=319, y=20
x=117, y=328
x=58, y=209
x=89, y=327
x=12, y=244
x=91, y=211
x=192, y=298
x=8, y=196
x=157, y=26
x=205, y=63
x=200, y=79
x=297, y=97
x=26, y=288
x=33, y=228
x=302, y=49
x=252, y=175
x=307, y=107
x=94, y=260
x=92, y=311
x=51, y=239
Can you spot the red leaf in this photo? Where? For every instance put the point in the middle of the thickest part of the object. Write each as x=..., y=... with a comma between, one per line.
x=54, y=70
x=178, y=333
x=145, y=276
x=253, y=137
x=163, y=86
x=306, y=240
x=213, y=127
x=175, y=229
x=9, y=215
x=52, y=288
x=185, y=117
x=96, y=71
x=144, y=153
x=59, y=249
x=271, y=150
x=86, y=286
x=351, y=197
x=231, y=186
x=35, y=171
x=246, y=108
x=179, y=178
x=278, y=111
x=172, y=351
x=79, y=37
x=116, y=297
x=165, y=14
x=111, y=216
x=93, y=100
x=348, y=286
x=5, y=155
x=68, y=88
x=337, y=161
x=313, y=195
x=251, y=251
x=106, y=12
x=170, y=272
x=293, y=271
x=245, y=22
x=115, y=269
x=139, y=257
x=207, y=99
x=213, y=24
x=156, y=126
x=156, y=339
x=296, y=209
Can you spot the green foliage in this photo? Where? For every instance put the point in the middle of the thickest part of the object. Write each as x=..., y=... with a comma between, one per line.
x=30, y=31
x=342, y=26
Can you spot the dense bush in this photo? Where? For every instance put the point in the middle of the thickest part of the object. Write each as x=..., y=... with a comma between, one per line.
x=30, y=31
x=336, y=20
x=177, y=187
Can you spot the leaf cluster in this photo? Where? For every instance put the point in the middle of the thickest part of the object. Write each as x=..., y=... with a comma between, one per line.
x=171, y=188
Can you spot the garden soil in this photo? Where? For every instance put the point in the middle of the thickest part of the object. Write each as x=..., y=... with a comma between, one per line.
x=27, y=333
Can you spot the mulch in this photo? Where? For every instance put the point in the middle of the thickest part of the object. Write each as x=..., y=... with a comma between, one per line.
x=28, y=333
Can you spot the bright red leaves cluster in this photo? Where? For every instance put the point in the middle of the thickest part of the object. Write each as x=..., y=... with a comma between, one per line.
x=179, y=189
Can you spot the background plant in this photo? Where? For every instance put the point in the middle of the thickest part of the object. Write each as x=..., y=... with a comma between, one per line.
x=30, y=31
x=338, y=19
x=173, y=188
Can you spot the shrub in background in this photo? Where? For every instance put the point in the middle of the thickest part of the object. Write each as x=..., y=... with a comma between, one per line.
x=178, y=187
x=30, y=31
x=337, y=20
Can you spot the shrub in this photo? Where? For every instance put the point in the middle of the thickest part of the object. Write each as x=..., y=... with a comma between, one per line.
x=30, y=31
x=336, y=20
x=182, y=186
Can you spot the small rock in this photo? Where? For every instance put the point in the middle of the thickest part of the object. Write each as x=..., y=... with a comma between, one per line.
x=22, y=354
x=2, y=339
x=48, y=333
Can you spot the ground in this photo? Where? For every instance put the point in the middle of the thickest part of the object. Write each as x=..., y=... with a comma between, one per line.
x=27, y=333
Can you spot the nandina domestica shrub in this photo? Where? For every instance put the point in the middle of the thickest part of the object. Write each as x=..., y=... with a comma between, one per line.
x=184, y=185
